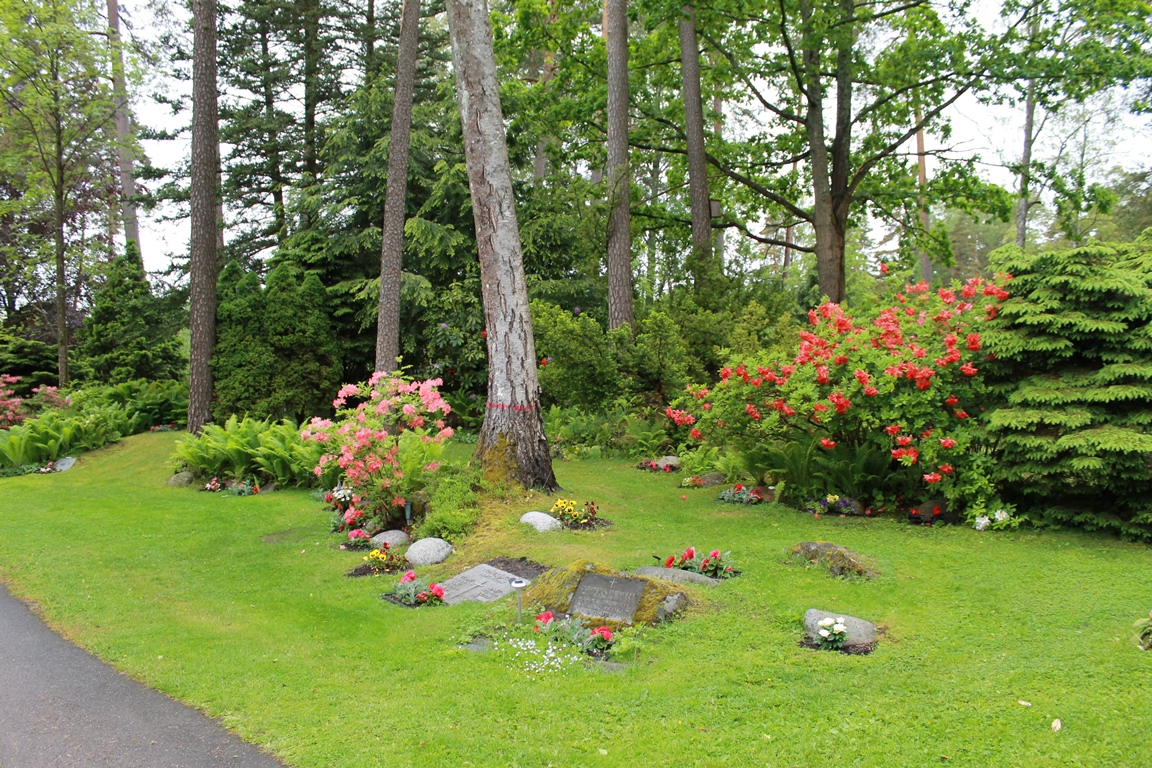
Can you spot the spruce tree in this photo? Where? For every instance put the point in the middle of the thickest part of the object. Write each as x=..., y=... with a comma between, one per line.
x=242, y=361
x=126, y=337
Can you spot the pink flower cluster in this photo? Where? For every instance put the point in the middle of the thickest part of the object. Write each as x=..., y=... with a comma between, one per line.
x=11, y=407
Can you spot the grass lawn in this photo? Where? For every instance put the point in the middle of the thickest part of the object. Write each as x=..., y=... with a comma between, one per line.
x=240, y=606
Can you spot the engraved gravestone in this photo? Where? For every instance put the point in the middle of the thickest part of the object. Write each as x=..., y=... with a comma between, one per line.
x=607, y=597
x=482, y=584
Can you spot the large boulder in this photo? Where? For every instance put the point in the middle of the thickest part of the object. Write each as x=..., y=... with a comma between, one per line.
x=428, y=551
x=860, y=632
x=540, y=521
x=181, y=478
x=668, y=461
x=675, y=575
x=392, y=538
x=713, y=479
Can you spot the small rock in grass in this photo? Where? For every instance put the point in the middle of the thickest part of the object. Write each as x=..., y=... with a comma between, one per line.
x=540, y=521
x=675, y=575
x=269, y=487
x=840, y=561
x=180, y=478
x=713, y=479
x=65, y=463
x=428, y=551
x=668, y=461
x=391, y=538
x=860, y=632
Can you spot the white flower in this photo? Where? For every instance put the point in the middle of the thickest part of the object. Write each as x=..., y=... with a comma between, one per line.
x=982, y=522
x=826, y=622
x=824, y=633
x=840, y=628
x=1001, y=515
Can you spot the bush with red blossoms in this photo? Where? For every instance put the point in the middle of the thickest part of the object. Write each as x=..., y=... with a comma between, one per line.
x=387, y=440
x=883, y=405
x=715, y=564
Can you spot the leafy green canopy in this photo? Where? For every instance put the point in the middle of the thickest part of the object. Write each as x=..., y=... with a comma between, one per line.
x=1073, y=364
x=127, y=337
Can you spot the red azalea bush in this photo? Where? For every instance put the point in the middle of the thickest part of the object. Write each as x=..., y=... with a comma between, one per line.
x=387, y=440
x=884, y=406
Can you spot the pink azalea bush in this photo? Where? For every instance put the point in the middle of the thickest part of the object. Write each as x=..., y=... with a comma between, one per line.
x=386, y=440
x=888, y=401
x=12, y=410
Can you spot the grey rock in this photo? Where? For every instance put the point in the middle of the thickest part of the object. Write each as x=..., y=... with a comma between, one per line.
x=428, y=551
x=675, y=575
x=860, y=632
x=477, y=645
x=65, y=464
x=840, y=561
x=540, y=521
x=181, y=478
x=481, y=584
x=673, y=604
x=392, y=539
x=713, y=479
x=668, y=461
x=269, y=487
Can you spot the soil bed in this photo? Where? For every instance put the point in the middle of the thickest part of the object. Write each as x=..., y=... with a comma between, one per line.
x=860, y=649
x=591, y=525
x=519, y=566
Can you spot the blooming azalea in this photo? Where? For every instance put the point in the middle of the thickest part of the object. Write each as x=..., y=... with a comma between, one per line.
x=827, y=443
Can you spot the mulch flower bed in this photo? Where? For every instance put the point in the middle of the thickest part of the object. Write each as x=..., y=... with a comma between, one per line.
x=591, y=525
x=519, y=566
x=860, y=649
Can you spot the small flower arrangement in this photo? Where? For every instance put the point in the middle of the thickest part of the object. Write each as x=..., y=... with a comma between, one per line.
x=163, y=428
x=384, y=560
x=358, y=538
x=1143, y=629
x=599, y=641
x=571, y=516
x=832, y=504
x=653, y=466
x=832, y=633
x=1001, y=518
x=48, y=468
x=741, y=494
x=715, y=565
x=415, y=592
x=693, y=481
x=570, y=631
x=244, y=488
x=213, y=485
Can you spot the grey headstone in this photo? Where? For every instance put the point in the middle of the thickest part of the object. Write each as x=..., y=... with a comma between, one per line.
x=673, y=603
x=482, y=584
x=181, y=478
x=603, y=597
x=675, y=575
x=668, y=461
x=391, y=538
x=540, y=521
x=860, y=632
x=478, y=645
x=65, y=464
x=713, y=479
x=428, y=551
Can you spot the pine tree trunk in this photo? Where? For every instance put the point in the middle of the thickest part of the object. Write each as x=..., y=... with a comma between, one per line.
x=275, y=164
x=700, y=265
x=203, y=204
x=310, y=21
x=395, y=196
x=1023, y=202
x=619, y=176
x=123, y=130
x=512, y=444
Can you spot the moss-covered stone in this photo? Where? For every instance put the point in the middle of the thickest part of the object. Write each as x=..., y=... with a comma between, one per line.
x=840, y=561
x=556, y=588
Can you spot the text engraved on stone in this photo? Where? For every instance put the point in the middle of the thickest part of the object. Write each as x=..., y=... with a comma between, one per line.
x=603, y=597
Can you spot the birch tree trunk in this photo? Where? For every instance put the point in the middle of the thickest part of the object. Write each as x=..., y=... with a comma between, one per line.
x=700, y=266
x=619, y=176
x=512, y=444
x=925, y=261
x=123, y=130
x=203, y=205
x=396, y=192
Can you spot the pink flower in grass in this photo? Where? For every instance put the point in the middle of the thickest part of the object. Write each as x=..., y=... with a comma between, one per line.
x=408, y=577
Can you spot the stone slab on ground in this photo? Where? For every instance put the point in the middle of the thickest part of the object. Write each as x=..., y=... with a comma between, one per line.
x=428, y=551
x=65, y=464
x=60, y=706
x=540, y=521
x=481, y=584
x=180, y=479
x=860, y=632
x=392, y=538
x=676, y=575
x=607, y=597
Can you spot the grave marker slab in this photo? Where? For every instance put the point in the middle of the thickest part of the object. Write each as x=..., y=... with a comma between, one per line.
x=482, y=584
x=613, y=598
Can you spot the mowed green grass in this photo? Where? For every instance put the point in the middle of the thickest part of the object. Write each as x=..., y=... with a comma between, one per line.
x=180, y=590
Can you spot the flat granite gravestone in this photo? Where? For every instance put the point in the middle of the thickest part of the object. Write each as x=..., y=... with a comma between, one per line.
x=676, y=575
x=482, y=584
x=603, y=597
x=65, y=464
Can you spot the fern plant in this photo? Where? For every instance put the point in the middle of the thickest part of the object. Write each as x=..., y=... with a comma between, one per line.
x=1073, y=371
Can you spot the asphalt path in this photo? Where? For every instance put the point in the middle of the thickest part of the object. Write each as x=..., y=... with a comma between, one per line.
x=61, y=707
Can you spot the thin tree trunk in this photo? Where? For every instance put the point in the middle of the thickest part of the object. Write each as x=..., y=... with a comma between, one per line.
x=619, y=176
x=370, y=41
x=540, y=161
x=718, y=132
x=123, y=130
x=700, y=265
x=512, y=444
x=311, y=24
x=275, y=166
x=392, y=247
x=789, y=235
x=203, y=203
x=61, y=275
x=925, y=261
x=1024, y=202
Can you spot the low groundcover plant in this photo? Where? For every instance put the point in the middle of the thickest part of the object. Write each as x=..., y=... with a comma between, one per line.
x=416, y=592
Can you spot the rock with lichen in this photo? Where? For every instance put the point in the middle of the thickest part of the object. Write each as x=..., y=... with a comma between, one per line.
x=840, y=561
x=556, y=589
